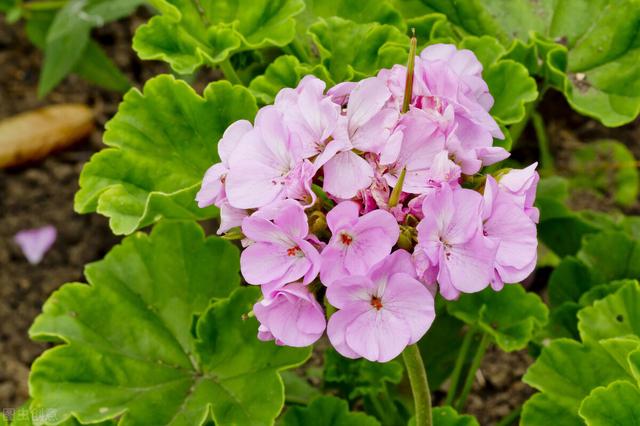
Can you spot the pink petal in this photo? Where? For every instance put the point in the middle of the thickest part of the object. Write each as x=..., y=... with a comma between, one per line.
x=337, y=327
x=212, y=189
x=343, y=215
x=231, y=138
x=34, y=243
x=365, y=101
x=346, y=174
x=349, y=290
x=292, y=220
x=262, y=263
x=378, y=335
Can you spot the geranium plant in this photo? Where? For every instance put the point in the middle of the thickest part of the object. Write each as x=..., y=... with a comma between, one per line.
x=359, y=201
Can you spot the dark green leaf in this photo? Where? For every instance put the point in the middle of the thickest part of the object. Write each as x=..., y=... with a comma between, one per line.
x=297, y=389
x=510, y=316
x=611, y=256
x=447, y=416
x=326, y=411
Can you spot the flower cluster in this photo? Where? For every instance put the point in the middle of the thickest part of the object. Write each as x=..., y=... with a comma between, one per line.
x=365, y=200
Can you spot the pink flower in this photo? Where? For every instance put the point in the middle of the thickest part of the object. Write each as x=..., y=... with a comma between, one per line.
x=509, y=227
x=521, y=185
x=380, y=312
x=264, y=165
x=280, y=253
x=357, y=242
x=34, y=243
x=450, y=235
x=290, y=315
x=312, y=118
x=230, y=217
x=212, y=190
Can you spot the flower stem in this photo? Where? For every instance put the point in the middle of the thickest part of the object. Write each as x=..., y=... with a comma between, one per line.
x=230, y=72
x=419, y=385
x=546, y=159
x=408, y=86
x=471, y=375
x=397, y=190
x=457, y=369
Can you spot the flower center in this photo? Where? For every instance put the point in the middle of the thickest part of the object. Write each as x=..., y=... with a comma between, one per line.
x=346, y=239
x=294, y=251
x=376, y=302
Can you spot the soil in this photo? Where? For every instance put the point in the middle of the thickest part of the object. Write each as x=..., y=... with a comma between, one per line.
x=42, y=193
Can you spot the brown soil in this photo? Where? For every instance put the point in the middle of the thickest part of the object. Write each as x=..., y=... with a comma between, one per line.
x=42, y=193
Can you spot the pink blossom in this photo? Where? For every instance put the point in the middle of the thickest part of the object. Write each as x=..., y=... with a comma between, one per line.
x=212, y=190
x=346, y=174
x=312, y=118
x=34, y=243
x=290, y=315
x=521, y=185
x=450, y=235
x=264, y=164
x=280, y=252
x=230, y=217
x=380, y=312
x=357, y=242
x=509, y=227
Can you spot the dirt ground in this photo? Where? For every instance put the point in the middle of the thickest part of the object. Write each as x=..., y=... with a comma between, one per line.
x=42, y=193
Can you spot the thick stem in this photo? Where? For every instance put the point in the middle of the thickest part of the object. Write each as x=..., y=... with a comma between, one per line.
x=457, y=369
x=546, y=159
x=419, y=385
x=229, y=72
x=471, y=375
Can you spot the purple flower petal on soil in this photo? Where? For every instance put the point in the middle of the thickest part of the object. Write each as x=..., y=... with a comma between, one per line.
x=34, y=243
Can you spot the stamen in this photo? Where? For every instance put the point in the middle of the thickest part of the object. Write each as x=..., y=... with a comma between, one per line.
x=294, y=251
x=346, y=238
x=376, y=302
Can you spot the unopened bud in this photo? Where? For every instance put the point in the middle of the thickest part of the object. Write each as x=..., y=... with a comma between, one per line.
x=317, y=223
x=408, y=237
x=234, y=234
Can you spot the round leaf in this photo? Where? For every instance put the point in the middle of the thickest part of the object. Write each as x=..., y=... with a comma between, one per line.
x=161, y=143
x=326, y=411
x=128, y=349
x=617, y=404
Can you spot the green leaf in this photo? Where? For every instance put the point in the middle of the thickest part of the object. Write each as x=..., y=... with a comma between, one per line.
x=161, y=143
x=326, y=411
x=286, y=71
x=358, y=11
x=615, y=315
x=569, y=281
x=95, y=67
x=593, y=58
x=360, y=377
x=297, y=389
x=611, y=170
x=542, y=409
x=601, y=291
x=27, y=416
x=190, y=34
x=379, y=46
x=447, y=416
x=565, y=373
x=611, y=256
x=510, y=316
x=617, y=404
x=128, y=347
x=67, y=40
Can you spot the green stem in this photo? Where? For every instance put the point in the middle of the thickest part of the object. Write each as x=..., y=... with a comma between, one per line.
x=45, y=5
x=397, y=190
x=408, y=85
x=546, y=159
x=510, y=418
x=471, y=375
x=419, y=385
x=457, y=369
x=229, y=72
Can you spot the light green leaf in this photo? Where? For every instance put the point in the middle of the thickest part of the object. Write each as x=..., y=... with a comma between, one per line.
x=161, y=143
x=286, y=71
x=510, y=316
x=608, y=167
x=447, y=416
x=590, y=50
x=27, y=416
x=360, y=377
x=542, y=409
x=358, y=11
x=601, y=291
x=326, y=411
x=611, y=256
x=615, y=315
x=128, y=346
x=565, y=373
x=190, y=34
x=621, y=349
x=617, y=404
x=634, y=364
x=379, y=46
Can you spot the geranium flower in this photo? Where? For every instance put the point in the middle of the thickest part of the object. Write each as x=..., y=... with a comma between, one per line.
x=381, y=312
x=357, y=242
